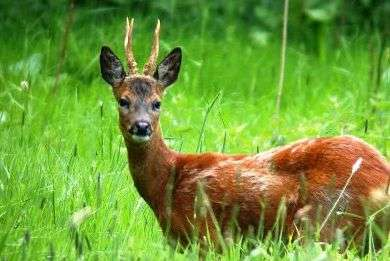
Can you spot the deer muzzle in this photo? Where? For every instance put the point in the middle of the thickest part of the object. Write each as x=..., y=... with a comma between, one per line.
x=141, y=131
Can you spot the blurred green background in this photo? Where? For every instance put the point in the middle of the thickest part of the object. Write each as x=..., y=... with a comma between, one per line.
x=60, y=147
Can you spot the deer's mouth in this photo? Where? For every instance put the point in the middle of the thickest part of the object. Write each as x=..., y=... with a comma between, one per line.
x=140, y=138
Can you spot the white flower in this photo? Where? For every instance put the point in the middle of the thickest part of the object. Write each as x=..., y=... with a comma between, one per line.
x=80, y=216
x=24, y=85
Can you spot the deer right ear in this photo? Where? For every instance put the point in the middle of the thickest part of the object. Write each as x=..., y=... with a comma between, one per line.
x=168, y=70
x=111, y=67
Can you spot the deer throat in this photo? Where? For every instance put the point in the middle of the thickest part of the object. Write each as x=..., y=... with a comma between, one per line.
x=150, y=166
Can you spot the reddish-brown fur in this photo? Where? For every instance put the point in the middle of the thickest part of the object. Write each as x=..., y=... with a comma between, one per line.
x=219, y=195
x=306, y=173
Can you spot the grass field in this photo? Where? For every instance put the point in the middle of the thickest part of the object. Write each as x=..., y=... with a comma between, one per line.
x=62, y=152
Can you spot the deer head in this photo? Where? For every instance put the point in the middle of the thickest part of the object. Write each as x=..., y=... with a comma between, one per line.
x=139, y=95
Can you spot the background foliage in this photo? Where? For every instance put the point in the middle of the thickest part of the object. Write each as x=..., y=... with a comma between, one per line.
x=61, y=151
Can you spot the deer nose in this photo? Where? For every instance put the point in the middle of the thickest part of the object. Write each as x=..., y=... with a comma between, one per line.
x=141, y=128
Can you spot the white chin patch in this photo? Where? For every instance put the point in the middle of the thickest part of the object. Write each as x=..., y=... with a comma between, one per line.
x=140, y=139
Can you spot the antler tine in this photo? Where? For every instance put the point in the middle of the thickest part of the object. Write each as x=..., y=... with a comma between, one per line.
x=129, y=47
x=150, y=66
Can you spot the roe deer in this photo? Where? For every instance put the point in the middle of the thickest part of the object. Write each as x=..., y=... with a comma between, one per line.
x=213, y=195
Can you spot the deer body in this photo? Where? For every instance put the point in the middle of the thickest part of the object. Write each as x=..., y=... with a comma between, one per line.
x=216, y=194
x=249, y=188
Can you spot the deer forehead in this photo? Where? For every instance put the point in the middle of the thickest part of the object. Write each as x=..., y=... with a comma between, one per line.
x=140, y=87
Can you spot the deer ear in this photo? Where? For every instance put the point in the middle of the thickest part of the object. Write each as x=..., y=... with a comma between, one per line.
x=168, y=70
x=111, y=67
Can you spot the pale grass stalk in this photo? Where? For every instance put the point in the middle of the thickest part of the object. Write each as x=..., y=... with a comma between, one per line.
x=282, y=60
x=208, y=110
x=355, y=168
x=64, y=44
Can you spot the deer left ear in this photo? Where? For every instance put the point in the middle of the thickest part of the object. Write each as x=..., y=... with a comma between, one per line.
x=111, y=67
x=168, y=70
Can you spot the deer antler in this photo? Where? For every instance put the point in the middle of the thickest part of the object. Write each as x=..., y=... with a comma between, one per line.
x=150, y=66
x=129, y=48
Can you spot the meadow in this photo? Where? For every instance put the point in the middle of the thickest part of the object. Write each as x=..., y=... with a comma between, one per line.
x=61, y=150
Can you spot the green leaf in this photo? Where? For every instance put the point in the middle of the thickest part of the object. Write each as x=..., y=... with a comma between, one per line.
x=320, y=15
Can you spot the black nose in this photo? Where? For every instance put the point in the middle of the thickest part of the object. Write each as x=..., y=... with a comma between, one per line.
x=141, y=128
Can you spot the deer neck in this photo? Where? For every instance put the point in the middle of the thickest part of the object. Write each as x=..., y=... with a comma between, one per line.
x=151, y=165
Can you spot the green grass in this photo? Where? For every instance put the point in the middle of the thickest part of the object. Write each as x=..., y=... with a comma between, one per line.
x=61, y=153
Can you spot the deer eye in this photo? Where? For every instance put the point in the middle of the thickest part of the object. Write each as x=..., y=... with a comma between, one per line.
x=124, y=103
x=156, y=105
